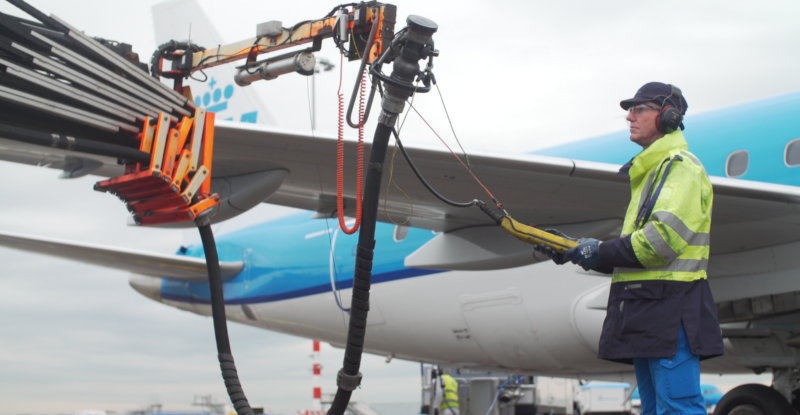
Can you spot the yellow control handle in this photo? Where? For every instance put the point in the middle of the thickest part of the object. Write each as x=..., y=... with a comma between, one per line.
x=536, y=236
x=527, y=233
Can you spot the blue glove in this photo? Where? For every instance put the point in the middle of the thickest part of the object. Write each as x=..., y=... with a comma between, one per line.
x=587, y=254
x=551, y=253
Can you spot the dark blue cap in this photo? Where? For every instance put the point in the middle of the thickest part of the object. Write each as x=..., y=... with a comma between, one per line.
x=660, y=93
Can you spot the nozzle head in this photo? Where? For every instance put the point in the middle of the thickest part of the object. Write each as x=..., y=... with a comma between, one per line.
x=422, y=25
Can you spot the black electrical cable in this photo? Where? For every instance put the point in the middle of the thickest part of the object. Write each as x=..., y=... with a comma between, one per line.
x=165, y=51
x=229, y=373
x=363, y=65
x=425, y=182
x=349, y=377
x=71, y=143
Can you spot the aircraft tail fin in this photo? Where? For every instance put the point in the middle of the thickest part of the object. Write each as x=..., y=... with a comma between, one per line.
x=213, y=89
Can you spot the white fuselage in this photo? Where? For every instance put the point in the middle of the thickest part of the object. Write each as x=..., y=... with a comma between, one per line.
x=540, y=318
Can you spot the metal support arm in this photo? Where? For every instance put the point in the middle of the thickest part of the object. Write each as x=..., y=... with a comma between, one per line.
x=299, y=34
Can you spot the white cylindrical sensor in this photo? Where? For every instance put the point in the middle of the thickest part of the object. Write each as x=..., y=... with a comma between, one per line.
x=302, y=63
x=343, y=18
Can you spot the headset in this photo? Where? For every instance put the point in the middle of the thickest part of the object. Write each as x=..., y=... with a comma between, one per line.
x=670, y=118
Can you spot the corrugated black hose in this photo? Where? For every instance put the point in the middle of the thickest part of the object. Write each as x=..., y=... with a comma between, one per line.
x=398, y=90
x=229, y=373
x=349, y=377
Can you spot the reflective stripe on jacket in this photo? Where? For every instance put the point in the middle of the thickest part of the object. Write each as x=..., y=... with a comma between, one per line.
x=450, y=390
x=672, y=242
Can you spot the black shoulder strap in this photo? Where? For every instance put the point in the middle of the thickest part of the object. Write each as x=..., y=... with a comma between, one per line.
x=647, y=207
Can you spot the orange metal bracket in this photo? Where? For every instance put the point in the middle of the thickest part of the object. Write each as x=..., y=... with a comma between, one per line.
x=169, y=190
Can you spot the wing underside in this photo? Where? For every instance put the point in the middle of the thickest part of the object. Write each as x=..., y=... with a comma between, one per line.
x=144, y=263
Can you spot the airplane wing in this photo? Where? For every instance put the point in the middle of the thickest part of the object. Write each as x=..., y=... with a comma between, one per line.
x=175, y=267
x=255, y=163
x=546, y=191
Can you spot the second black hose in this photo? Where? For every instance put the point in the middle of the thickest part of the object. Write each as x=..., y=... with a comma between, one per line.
x=364, y=60
x=228, y=367
x=425, y=182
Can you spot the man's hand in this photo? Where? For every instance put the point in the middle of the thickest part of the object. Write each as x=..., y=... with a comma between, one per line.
x=551, y=253
x=587, y=254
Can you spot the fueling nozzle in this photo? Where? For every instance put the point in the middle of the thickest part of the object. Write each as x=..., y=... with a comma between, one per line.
x=527, y=233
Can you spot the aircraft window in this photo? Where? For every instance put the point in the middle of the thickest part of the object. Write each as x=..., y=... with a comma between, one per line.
x=737, y=163
x=400, y=232
x=791, y=156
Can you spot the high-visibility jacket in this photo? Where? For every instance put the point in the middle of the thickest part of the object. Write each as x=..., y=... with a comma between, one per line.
x=668, y=223
x=669, y=216
x=450, y=392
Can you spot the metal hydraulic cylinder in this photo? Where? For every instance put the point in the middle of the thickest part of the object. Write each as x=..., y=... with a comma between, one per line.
x=302, y=63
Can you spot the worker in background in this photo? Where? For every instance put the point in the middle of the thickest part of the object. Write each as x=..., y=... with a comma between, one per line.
x=661, y=316
x=445, y=401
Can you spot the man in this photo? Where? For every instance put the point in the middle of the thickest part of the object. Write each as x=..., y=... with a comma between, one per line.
x=661, y=315
x=445, y=401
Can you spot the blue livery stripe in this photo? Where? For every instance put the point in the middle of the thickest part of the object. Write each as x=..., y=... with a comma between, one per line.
x=319, y=289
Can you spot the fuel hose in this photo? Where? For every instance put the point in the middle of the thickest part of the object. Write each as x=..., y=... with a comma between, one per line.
x=226, y=364
x=405, y=68
x=349, y=376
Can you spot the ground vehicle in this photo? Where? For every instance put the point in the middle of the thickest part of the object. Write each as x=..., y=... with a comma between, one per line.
x=605, y=398
x=497, y=393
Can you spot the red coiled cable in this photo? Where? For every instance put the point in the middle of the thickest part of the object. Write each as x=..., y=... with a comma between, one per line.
x=340, y=156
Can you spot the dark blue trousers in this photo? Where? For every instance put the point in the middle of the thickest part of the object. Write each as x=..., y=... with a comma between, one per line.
x=671, y=385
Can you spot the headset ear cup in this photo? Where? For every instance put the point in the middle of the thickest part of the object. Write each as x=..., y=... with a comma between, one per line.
x=658, y=120
x=669, y=119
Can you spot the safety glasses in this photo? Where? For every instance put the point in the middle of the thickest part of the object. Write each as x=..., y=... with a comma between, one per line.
x=641, y=108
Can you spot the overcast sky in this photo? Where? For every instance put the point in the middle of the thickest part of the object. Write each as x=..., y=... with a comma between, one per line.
x=516, y=75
